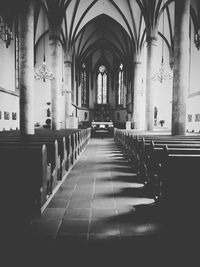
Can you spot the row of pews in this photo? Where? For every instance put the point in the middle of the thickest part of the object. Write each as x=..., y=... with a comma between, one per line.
x=169, y=168
x=33, y=165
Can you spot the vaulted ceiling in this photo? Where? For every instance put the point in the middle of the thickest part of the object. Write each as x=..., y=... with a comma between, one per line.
x=113, y=29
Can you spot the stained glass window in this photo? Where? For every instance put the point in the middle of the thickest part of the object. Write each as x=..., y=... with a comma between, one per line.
x=121, y=86
x=16, y=57
x=84, y=95
x=102, y=85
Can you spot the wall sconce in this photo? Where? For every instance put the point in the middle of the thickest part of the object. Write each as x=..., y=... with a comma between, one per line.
x=5, y=32
x=197, y=39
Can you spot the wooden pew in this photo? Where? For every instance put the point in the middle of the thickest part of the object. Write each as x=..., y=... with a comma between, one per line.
x=180, y=196
x=52, y=155
x=144, y=147
x=156, y=158
x=145, y=159
x=172, y=164
x=20, y=157
x=150, y=154
x=25, y=177
x=70, y=144
x=41, y=138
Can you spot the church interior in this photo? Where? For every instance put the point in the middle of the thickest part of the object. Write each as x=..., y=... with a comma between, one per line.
x=100, y=131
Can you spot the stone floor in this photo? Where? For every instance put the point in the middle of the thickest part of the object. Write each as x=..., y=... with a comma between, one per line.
x=94, y=217
x=97, y=199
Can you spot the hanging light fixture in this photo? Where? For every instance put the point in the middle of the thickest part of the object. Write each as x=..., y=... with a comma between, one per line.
x=43, y=73
x=197, y=39
x=63, y=89
x=164, y=72
x=5, y=32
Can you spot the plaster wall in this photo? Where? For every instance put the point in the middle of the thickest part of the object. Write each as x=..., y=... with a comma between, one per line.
x=7, y=66
x=9, y=104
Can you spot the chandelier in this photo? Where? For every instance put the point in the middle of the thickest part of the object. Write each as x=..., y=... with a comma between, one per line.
x=164, y=73
x=5, y=32
x=43, y=73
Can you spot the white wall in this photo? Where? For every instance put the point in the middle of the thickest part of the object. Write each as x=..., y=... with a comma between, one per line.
x=9, y=103
x=193, y=102
x=7, y=66
x=193, y=107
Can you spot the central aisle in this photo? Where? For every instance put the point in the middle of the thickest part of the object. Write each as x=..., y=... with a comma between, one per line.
x=94, y=211
x=97, y=200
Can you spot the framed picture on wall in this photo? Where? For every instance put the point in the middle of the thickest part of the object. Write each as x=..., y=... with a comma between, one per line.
x=6, y=115
x=14, y=116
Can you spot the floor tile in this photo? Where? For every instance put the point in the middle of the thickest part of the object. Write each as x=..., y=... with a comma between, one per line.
x=63, y=195
x=80, y=203
x=82, y=195
x=104, y=227
x=58, y=203
x=73, y=227
x=104, y=203
x=103, y=214
x=77, y=214
x=133, y=228
x=52, y=213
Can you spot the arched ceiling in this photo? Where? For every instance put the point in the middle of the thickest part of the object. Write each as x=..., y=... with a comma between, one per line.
x=79, y=13
x=103, y=37
x=117, y=27
x=114, y=27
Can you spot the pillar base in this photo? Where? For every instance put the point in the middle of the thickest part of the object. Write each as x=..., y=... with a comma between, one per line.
x=128, y=125
x=72, y=123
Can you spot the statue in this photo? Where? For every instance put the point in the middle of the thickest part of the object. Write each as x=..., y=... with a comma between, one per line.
x=155, y=115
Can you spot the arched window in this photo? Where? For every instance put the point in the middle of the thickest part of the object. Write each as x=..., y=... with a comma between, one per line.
x=16, y=56
x=102, y=85
x=120, y=86
x=84, y=91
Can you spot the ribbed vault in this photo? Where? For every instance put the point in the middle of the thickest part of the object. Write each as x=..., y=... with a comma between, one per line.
x=101, y=38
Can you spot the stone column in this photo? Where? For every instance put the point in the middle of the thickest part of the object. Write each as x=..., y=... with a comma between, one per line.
x=136, y=89
x=68, y=79
x=26, y=67
x=55, y=56
x=181, y=66
x=151, y=58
